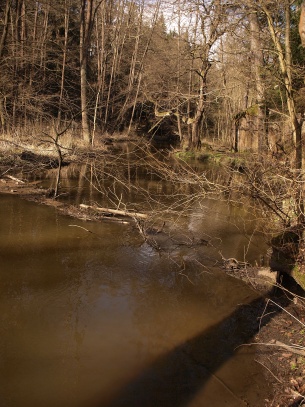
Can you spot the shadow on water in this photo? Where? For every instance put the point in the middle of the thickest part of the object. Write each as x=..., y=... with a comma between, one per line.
x=177, y=378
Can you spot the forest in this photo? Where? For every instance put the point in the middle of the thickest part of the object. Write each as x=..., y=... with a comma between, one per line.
x=192, y=71
x=221, y=82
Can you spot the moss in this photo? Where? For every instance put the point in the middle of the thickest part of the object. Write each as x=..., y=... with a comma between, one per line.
x=253, y=110
x=221, y=156
x=293, y=366
x=194, y=155
x=218, y=157
x=204, y=157
x=185, y=155
x=299, y=276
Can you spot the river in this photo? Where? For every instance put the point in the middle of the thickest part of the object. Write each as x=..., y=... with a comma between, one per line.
x=103, y=319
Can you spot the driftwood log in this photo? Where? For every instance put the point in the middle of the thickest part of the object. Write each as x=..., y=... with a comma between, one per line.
x=19, y=181
x=115, y=212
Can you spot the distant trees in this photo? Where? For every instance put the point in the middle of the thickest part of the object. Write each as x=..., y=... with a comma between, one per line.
x=220, y=70
x=265, y=51
x=211, y=23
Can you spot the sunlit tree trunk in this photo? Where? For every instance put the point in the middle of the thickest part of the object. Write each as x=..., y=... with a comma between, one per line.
x=212, y=24
x=199, y=114
x=102, y=60
x=134, y=62
x=118, y=39
x=2, y=46
x=43, y=41
x=285, y=65
x=136, y=77
x=84, y=46
x=64, y=59
x=284, y=57
x=34, y=43
x=257, y=63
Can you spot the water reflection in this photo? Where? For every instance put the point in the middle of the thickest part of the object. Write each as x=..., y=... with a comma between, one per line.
x=81, y=317
x=230, y=228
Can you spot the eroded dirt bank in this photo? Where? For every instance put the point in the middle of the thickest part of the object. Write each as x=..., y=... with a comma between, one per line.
x=280, y=338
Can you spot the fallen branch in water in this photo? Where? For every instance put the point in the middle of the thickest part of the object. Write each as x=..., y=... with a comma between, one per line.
x=86, y=230
x=115, y=212
x=15, y=179
x=233, y=264
x=269, y=370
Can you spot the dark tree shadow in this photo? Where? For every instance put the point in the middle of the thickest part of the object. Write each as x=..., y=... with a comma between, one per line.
x=174, y=379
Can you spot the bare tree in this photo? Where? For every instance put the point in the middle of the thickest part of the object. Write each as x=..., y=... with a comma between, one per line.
x=84, y=49
x=286, y=69
x=257, y=63
x=302, y=24
x=210, y=23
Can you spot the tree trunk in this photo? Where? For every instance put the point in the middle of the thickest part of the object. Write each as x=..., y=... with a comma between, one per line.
x=85, y=29
x=257, y=65
x=199, y=114
x=284, y=56
x=196, y=140
x=302, y=24
x=64, y=62
x=5, y=26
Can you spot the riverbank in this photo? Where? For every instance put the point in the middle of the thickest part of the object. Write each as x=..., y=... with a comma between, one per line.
x=279, y=342
x=280, y=349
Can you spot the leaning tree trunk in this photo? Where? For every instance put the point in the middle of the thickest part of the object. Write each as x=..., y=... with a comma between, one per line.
x=297, y=269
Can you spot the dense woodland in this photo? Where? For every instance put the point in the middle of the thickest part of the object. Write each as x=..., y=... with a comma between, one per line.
x=192, y=70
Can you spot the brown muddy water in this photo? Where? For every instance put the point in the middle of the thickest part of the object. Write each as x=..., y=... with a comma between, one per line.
x=102, y=319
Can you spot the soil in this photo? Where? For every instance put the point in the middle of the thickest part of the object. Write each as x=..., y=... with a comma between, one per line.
x=285, y=367
x=280, y=341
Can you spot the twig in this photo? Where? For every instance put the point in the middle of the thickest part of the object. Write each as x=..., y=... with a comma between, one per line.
x=287, y=312
x=1, y=175
x=276, y=378
x=228, y=389
x=293, y=348
x=276, y=344
x=87, y=230
x=263, y=315
x=184, y=275
x=222, y=383
x=296, y=296
x=297, y=394
x=208, y=271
